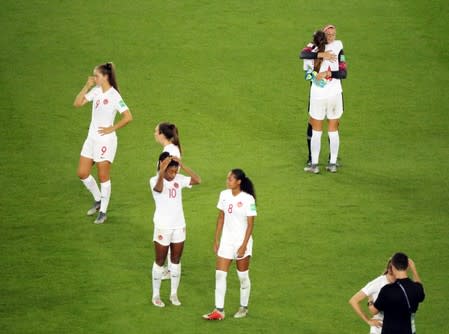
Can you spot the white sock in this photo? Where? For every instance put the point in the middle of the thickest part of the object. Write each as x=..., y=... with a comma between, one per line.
x=315, y=146
x=334, y=143
x=220, y=288
x=175, y=277
x=245, y=287
x=157, y=276
x=92, y=186
x=105, y=195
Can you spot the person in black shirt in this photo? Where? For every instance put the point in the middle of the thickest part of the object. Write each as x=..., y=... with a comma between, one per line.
x=399, y=301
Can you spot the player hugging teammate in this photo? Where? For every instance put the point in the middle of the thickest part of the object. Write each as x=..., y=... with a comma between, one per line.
x=324, y=66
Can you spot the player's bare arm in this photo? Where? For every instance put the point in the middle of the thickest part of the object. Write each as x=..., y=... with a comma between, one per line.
x=159, y=187
x=194, y=178
x=80, y=99
x=126, y=118
x=218, y=230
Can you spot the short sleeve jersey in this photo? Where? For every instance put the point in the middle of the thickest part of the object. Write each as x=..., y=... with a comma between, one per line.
x=105, y=106
x=169, y=213
x=372, y=290
x=236, y=210
x=333, y=86
x=392, y=301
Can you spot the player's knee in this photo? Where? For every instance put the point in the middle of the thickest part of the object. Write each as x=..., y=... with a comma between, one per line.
x=174, y=258
x=82, y=174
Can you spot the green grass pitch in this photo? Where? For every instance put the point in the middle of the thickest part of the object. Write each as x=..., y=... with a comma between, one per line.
x=227, y=73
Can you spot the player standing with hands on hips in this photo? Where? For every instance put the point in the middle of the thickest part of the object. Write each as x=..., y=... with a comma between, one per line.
x=235, y=224
x=101, y=144
x=326, y=96
x=169, y=222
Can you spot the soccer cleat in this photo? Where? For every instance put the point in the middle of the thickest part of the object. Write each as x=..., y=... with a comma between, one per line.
x=214, y=315
x=332, y=168
x=174, y=300
x=241, y=313
x=93, y=210
x=165, y=274
x=314, y=169
x=101, y=218
x=157, y=302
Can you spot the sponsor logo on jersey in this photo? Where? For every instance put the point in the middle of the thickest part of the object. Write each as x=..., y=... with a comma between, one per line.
x=239, y=204
x=253, y=207
x=176, y=185
x=122, y=104
x=105, y=101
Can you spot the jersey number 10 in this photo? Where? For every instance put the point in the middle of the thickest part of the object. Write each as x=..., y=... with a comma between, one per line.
x=171, y=193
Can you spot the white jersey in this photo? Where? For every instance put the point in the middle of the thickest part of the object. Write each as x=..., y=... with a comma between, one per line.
x=236, y=210
x=104, y=108
x=173, y=150
x=372, y=290
x=169, y=213
x=333, y=86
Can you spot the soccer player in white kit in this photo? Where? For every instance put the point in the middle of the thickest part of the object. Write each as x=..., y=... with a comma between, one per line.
x=371, y=292
x=326, y=99
x=101, y=144
x=169, y=222
x=237, y=209
x=167, y=135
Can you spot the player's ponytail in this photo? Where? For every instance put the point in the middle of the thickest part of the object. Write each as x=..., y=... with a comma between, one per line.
x=109, y=70
x=170, y=131
x=319, y=40
x=246, y=184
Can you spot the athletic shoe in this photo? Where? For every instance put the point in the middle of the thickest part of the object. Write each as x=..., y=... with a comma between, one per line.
x=158, y=302
x=314, y=169
x=165, y=274
x=241, y=313
x=174, y=300
x=214, y=315
x=101, y=218
x=332, y=168
x=94, y=209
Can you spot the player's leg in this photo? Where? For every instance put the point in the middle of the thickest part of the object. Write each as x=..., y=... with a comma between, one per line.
x=245, y=283
x=315, y=145
x=335, y=112
x=176, y=249
x=104, y=154
x=84, y=173
x=221, y=273
x=161, y=245
x=309, y=138
x=104, y=170
x=317, y=112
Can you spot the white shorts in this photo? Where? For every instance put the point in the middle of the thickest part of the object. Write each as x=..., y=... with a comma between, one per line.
x=165, y=237
x=228, y=250
x=100, y=149
x=330, y=108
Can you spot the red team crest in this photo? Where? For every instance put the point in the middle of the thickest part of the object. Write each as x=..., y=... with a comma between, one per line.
x=176, y=185
x=239, y=204
x=105, y=101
